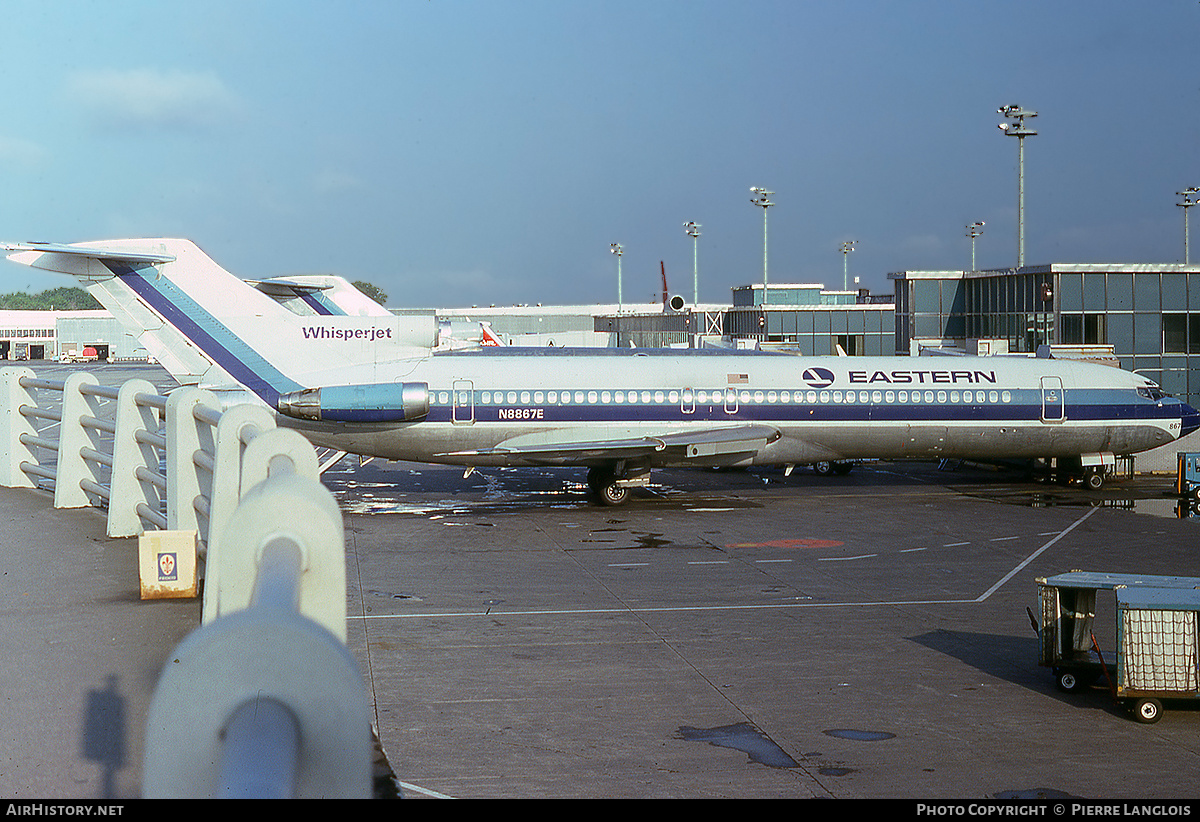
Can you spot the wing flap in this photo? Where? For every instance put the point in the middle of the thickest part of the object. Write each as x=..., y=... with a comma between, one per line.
x=676, y=446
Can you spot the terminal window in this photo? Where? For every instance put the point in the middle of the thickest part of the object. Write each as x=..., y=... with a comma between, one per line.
x=1084, y=329
x=1181, y=333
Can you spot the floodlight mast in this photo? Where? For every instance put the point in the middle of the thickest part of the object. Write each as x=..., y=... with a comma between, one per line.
x=847, y=247
x=693, y=230
x=1019, y=130
x=1189, y=200
x=974, y=231
x=762, y=198
x=615, y=248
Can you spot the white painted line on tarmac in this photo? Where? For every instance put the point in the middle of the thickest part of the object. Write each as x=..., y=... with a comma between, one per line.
x=1035, y=555
x=661, y=610
x=717, y=608
x=405, y=786
x=955, y=544
x=845, y=559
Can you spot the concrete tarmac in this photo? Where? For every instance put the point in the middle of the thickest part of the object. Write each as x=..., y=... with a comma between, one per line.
x=81, y=653
x=732, y=634
x=748, y=635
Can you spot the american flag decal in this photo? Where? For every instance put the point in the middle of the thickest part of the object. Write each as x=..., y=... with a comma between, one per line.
x=739, y=379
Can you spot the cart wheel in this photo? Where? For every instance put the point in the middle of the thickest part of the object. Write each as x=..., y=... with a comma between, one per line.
x=1148, y=711
x=1068, y=681
x=1094, y=480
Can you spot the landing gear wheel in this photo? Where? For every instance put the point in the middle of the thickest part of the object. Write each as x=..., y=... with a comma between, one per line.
x=613, y=494
x=823, y=469
x=1147, y=711
x=1067, y=681
x=602, y=483
x=842, y=468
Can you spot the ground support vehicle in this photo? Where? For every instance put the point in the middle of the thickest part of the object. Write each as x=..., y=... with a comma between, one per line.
x=1155, y=657
x=1187, y=481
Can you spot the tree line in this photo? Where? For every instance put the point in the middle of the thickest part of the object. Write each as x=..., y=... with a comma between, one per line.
x=54, y=299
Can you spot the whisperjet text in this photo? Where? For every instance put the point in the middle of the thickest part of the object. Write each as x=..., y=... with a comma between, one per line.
x=368, y=334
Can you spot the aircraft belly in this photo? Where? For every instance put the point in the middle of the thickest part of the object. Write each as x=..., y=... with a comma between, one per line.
x=804, y=444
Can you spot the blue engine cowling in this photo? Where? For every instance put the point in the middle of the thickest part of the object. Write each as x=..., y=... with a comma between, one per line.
x=376, y=402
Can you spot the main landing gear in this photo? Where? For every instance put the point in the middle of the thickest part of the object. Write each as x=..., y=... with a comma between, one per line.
x=829, y=468
x=609, y=484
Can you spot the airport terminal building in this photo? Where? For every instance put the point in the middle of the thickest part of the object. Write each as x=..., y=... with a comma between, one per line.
x=1147, y=315
x=51, y=335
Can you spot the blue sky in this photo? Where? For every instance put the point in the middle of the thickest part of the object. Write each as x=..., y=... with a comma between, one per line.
x=459, y=153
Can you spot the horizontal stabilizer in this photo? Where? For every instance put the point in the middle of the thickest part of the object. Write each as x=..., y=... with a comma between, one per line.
x=14, y=250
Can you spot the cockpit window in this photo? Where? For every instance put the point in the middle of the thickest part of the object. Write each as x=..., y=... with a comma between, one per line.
x=1151, y=392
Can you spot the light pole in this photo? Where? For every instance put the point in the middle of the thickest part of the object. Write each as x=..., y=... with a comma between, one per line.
x=847, y=247
x=616, y=249
x=1189, y=200
x=693, y=231
x=762, y=198
x=974, y=230
x=1019, y=130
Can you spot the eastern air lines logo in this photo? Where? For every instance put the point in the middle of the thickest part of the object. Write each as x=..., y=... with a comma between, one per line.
x=818, y=377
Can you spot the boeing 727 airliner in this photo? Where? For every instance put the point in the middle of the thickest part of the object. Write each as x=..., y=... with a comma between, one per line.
x=374, y=384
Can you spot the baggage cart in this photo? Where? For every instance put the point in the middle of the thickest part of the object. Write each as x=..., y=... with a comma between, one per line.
x=1155, y=657
x=1187, y=478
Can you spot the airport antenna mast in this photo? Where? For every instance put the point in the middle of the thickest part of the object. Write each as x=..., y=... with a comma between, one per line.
x=616, y=249
x=1189, y=200
x=847, y=247
x=1018, y=129
x=762, y=198
x=693, y=231
x=974, y=231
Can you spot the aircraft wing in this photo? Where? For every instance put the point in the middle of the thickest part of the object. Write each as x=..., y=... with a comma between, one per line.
x=677, y=446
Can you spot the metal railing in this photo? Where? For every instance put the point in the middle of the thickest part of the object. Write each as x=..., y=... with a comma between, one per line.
x=264, y=700
x=268, y=670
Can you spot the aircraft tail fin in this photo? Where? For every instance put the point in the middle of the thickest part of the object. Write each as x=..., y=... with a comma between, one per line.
x=208, y=327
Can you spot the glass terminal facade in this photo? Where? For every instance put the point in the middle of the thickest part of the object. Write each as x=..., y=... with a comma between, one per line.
x=1147, y=314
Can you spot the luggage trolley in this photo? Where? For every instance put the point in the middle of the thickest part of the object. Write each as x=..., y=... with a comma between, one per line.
x=1156, y=627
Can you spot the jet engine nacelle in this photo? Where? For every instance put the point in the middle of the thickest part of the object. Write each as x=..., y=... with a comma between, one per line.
x=377, y=402
x=677, y=303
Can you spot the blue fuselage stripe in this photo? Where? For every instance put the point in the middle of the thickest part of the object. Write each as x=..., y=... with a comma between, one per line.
x=1102, y=407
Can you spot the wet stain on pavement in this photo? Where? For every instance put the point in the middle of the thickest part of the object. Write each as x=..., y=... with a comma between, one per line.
x=742, y=737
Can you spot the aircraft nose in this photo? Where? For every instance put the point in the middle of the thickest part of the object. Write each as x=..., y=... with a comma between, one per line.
x=1189, y=419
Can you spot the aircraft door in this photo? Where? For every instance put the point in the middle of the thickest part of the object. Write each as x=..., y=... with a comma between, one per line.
x=687, y=401
x=731, y=401
x=1053, y=401
x=463, y=409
